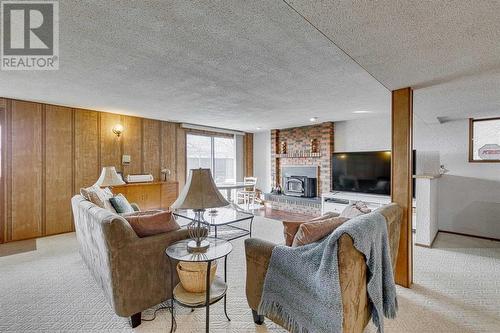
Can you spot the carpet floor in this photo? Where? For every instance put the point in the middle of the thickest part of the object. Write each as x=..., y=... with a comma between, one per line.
x=457, y=289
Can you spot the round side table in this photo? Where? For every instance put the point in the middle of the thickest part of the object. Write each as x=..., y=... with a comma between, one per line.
x=178, y=251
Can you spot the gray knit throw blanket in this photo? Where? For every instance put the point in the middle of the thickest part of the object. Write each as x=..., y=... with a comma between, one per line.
x=302, y=286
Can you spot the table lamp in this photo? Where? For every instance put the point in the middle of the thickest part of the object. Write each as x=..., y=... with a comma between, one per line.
x=109, y=177
x=198, y=194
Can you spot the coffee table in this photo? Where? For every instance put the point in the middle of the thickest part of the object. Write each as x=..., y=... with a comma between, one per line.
x=178, y=252
x=226, y=223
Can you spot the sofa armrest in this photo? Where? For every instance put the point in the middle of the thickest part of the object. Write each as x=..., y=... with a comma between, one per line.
x=141, y=273
x=258, y=255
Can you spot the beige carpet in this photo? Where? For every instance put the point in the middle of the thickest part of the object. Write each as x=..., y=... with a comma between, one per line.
x=457, y=289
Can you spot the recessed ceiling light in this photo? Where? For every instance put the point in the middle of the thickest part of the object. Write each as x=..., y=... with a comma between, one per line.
x=362, y=111
x=313, y=119
x=258, y=128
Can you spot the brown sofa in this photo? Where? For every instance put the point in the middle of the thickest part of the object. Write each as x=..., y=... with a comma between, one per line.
x=133, y=272
x=352, y=269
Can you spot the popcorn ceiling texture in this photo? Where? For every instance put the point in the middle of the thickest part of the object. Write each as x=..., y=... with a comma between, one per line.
x=232, y=63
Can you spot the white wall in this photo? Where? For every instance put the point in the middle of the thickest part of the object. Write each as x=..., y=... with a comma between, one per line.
x=469, y=194
x=362, y=134
x=451, y=139
x=262, y=160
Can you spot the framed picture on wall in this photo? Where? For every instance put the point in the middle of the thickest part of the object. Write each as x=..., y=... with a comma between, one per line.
x=484, y=140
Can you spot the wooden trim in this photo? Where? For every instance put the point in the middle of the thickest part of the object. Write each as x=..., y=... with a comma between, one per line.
x=121, y=166
x=99, y=142
x=3, y=159
x=248, y=154
x=8, y=174
x=469, y=235
x=44, y=169
x=471, y=138
x=401, y=179
x=142, y=146
x=73, y=158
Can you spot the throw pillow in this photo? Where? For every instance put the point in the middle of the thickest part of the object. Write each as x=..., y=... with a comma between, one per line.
x=356, y=209
x=290, y=228
x=121, y=204
x=152, y=223
x=313, y=231
x=98, y=196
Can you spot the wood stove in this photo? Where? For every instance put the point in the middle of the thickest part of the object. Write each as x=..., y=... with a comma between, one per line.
x=299, y=186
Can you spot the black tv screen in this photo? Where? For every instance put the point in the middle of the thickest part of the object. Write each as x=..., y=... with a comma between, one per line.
x=364, y=172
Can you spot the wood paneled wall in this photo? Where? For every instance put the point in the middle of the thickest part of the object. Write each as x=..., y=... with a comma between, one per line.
x=49, y=152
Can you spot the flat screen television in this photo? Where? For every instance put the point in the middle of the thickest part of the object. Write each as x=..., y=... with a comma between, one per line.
x=363, y=172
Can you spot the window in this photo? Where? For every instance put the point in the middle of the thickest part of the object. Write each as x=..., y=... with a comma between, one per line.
x=213, y=152
x=484, y=140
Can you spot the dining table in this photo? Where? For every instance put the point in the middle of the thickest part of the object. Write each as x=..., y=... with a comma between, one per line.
x=229, y=187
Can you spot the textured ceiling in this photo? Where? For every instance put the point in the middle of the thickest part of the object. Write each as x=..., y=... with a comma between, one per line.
x=234, y=64
x=449, y=51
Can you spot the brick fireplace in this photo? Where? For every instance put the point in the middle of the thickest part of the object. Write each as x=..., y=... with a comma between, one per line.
x=302, y=146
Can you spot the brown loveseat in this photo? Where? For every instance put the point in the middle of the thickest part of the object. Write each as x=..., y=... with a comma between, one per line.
x=352, y=269
x=133, y=272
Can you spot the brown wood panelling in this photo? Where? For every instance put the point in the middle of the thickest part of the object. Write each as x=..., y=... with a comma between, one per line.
x=152, y=195
x=26, y=170
x=401, y=178
x=132, y=144
x=49, y=152
x=58, y=169
x=169, y=193
x=86, y=148
x=248, y=155
x=168, y=142
x=3, y=169
x=151, y=147
x=110, y=149
x=181, y=156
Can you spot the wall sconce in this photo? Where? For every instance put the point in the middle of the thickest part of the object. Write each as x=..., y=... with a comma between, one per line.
x=118, y=129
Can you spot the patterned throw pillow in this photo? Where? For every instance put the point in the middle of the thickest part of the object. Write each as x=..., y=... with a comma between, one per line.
x=121, y=204
x=98, y=196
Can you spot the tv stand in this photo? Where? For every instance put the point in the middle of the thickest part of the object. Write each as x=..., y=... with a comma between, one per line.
x=337, y=201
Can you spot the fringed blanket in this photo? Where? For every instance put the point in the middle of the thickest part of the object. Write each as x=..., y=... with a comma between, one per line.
x=302, y=286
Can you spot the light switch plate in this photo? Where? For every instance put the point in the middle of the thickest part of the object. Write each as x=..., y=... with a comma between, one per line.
x=125, y=159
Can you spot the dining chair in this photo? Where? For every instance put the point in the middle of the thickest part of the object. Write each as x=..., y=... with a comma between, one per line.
x=248, y=193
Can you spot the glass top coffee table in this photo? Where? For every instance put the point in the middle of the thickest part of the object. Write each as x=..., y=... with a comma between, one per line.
x=226, y=223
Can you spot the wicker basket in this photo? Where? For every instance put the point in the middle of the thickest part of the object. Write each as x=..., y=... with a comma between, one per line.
x=193, y=275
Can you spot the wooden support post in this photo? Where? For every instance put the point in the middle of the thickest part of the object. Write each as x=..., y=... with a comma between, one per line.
x=401, y=175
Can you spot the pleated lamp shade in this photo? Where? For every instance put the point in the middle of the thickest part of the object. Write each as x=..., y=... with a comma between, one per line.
x=109, y=177
x=200, y=192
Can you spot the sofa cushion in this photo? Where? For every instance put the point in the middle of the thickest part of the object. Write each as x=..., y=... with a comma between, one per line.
x=356, y=209
x=121, y=204
x=150, y=223
x=313, y=231
x=290, y=228
x=98, y=196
